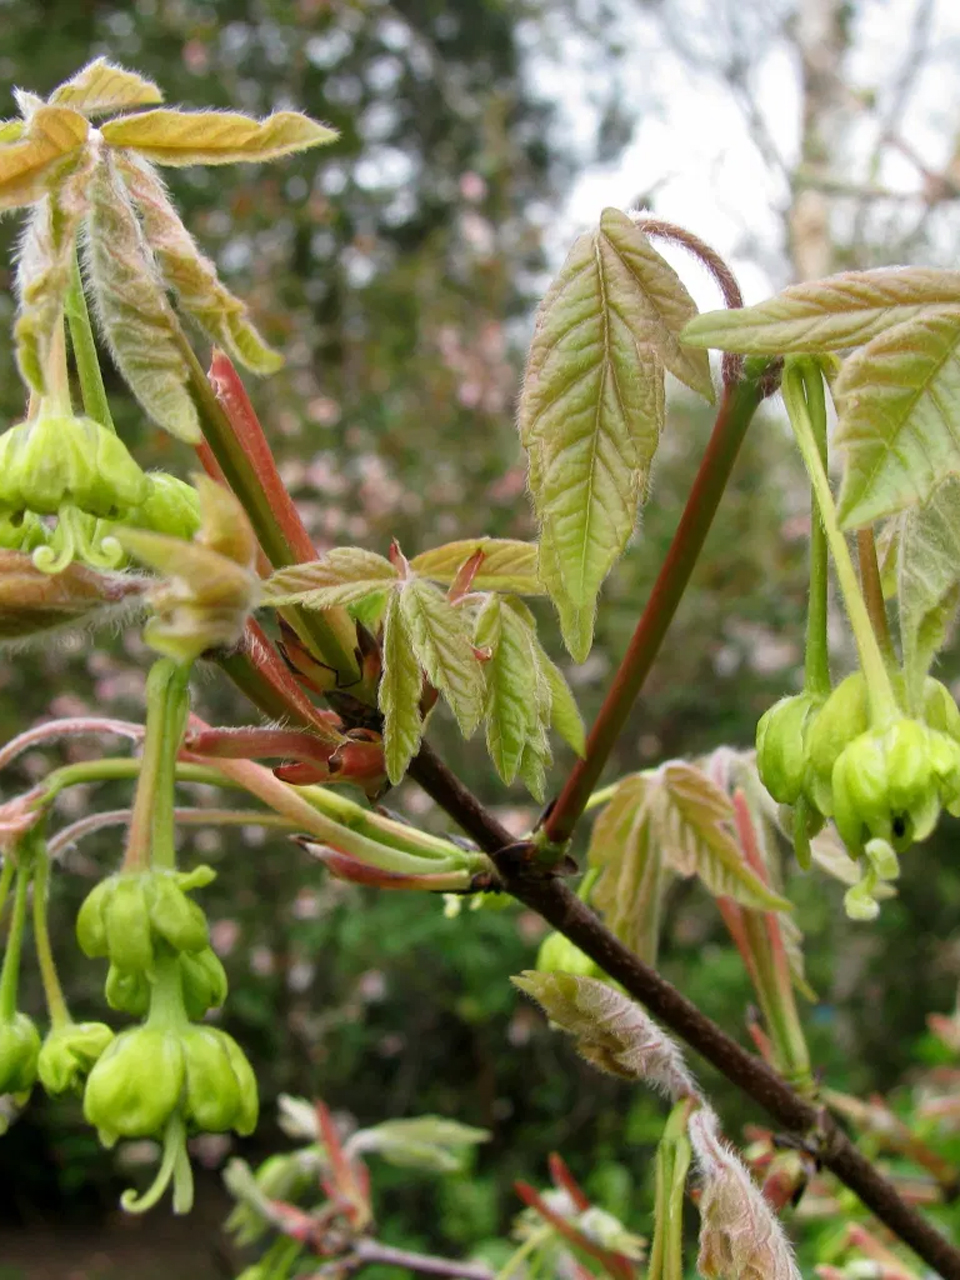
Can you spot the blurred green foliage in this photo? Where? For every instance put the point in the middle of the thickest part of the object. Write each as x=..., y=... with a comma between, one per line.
x=398, y=273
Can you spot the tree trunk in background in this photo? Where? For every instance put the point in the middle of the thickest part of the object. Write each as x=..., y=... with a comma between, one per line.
x=822, y=38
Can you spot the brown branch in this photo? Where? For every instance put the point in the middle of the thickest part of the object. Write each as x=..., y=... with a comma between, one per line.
x=561, y=908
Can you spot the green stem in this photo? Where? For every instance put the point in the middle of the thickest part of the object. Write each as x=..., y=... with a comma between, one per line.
x=172, y=688
x=92, y=390
x=52, y=990
x=57, y=398
x=529, y=1246
x=601, y=797
x=817, y=660
x=167, y=1010
x=673, y=1163
x=10, y=974
x=6, y=879
x=883, y=702
x=150, y=836
x=119, y=769
x=375, y=826
x=740, y=402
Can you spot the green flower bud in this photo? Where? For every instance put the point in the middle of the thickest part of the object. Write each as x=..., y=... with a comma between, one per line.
x=204, y=982
x=19, y=1050
x=136, y=1085
x=844, y=716
x=125, y=915
x=67, y=1055
x=782, y=735
x=891, y=783
x=127, y=992
x=558, y=954
x=173, y=916
x=940, y=710
x=221, y=1087
x=57, y=460
x=170, y=507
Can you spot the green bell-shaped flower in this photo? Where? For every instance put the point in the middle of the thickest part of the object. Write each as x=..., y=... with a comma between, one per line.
x=136, y=1085
x=890, y=784
x=204, y=982
x=22, y=531
x=69, y=1053
x=58, y=460
x=221, y=1089
x=19, y=1050
x=782, y=736
x=843, y=717
x=125, y=915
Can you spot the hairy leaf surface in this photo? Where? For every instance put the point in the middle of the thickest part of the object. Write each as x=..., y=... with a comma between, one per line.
x=343, y=576
x=442, y=644
x=508, y=565
x=630, y=890
x=172, y=137
x=133, y=310
x=610, y=1030
x=399, y=693
x=102, y=86
x=592, y=406
x=841, y=311
x=693, y=820
x=26, y=165
x=193, y=277
x=740, y=1235
x=898, y=401
x=928, y=580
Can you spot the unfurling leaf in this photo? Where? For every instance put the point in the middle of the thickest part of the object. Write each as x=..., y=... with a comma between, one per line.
x=611, y=1031
x=102, y=86
x=565, y=715
x=430, y=1143
x=134, y=313
x=630, y=890
x=401, y=683
x=928, y=580
x=443, y=647
x=171, y=137
x=591, y=410
x=898, y=401
x=740, y=1235
x=46, y=259
x=511, y=714
x=26, y=165
x=507, y=565
x=693, y=821
x=841, y=311
x=343, y=576
x=193, y=277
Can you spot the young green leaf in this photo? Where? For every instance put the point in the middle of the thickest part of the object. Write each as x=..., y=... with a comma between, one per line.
x=171, y=137
x=511, y=714
x=401, y=683
x=222, y=316
x=508, y=565
x=442, y=644
x=136, y=317
x=841, y=311
x=611, y=1031
x=26, y=166
x=928, y=580
x=591, y=410
x=565, y=715
x=692, y=819
x=630, y=890
x=898, y=401
x=46, y=260
x=430, y=1143
x=102, y=86
x=344, y=575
